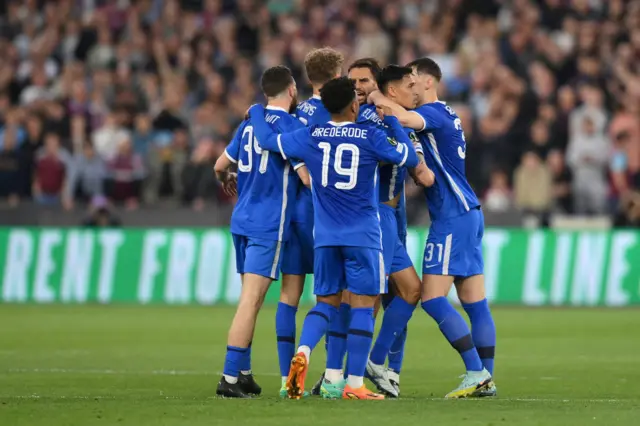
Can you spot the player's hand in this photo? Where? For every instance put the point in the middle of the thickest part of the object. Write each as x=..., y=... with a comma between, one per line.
x=374, y=97
x=251, y=109
x=230, y=184
x=423, y=176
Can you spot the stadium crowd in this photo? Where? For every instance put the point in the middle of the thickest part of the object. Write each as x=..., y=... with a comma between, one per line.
x=136, y=99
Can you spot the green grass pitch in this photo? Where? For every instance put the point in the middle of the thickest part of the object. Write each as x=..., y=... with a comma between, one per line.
x=138, y=366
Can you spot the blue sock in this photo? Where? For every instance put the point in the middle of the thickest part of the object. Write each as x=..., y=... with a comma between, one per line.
x=396, y=353
x=234, y=360
x=396, y=317
x=359, y=340
x=316, y=324
x=286, y=335
x=455, y=329
x=483, y=331
x=337, y=337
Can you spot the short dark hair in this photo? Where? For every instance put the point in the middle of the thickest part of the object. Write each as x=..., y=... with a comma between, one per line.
x=370, y=63
x=426, y=66
x=275, y=80
x=337, y=94
x=390, y=74
x=321, y=65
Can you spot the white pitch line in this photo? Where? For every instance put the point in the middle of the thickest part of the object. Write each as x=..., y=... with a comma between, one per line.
x=120, y=372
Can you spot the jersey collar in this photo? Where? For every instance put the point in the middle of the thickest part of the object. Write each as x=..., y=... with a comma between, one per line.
x=275, y=108
x=316, y=97
x=342, y=123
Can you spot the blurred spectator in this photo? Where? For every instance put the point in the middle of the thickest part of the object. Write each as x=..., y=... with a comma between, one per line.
x=11, y=175
x=197, y=179
x=125, y=172
x=587, y=156
x=108, y=137
x=100, y=214
x=532, y=185
x=498, y=196
x=86, y=176
x=51, y=171
x=562, y=182
x=167, y=159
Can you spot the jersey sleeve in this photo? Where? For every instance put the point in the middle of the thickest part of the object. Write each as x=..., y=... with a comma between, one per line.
x=288, y=144
x=294, y=145
x=428, y=116
x=395, y=149
x=233, y=149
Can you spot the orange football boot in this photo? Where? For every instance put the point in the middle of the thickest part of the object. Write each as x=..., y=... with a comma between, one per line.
x=360, y=393
x=297, y=374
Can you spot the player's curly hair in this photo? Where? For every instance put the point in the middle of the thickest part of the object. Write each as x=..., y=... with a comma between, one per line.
x=323, y=64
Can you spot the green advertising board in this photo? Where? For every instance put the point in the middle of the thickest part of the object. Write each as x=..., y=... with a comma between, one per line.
x=197, y=266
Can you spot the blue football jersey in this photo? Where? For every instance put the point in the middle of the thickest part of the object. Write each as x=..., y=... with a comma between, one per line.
x=267, y=183
x=443, y=138
x=312, y=111
x=309, y=112
x=392, y=177
x=342, y=159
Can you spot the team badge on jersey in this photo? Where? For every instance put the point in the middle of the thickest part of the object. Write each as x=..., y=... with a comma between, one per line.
x=414, y=137
x=392, y=141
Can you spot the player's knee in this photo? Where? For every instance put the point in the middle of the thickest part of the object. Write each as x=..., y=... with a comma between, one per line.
x=291, y=290
x=434, y=286
x=363, y=301
x=471, y=289
x=254, y=290
x=332, y=299
x=410, y=295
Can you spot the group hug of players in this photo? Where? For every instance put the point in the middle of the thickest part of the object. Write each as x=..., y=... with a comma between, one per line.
x=321, y=191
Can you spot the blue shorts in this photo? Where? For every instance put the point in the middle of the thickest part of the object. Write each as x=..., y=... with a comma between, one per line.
x=357, y=269
x=257, y=256
x=297, y=252
x=454, y=246
x=394, y=252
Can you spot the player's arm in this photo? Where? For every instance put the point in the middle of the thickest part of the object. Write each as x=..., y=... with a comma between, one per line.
x=226, y=160
x=409, y=119
x=303, y=172
x=288, y=144
x=418, y=169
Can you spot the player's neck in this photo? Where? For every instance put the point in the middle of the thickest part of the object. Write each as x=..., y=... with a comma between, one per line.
x=430, y=97
x=279, y=103
x=316, y=89
x=342, y=118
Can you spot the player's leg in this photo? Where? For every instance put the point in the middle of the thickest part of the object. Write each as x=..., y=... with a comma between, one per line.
x=471, y=292
x=396, y=353
x=328, y=285
x=445, y=258
x=259, y=261
x=394, y=323
x=399, y=311
x=293, y=276
x=366, y=279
